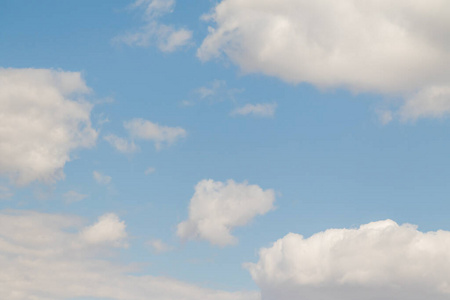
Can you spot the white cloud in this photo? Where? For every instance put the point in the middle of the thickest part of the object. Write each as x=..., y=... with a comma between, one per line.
x=73, y=196
x=101, y=178
x=399, y=48
x=217, y=207
x=121, y=144
x=159, y=246
x=146, y=130
x=265, y=110
x=379, y=260
x=166, y=37
x=108, y=230
x=43, y=257
x=42, y=120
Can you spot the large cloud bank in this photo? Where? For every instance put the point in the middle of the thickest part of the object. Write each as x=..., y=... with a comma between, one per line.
x=42, y=120
x=53, y=257
x=377, y=261
x=396, y=48
x=217, y=207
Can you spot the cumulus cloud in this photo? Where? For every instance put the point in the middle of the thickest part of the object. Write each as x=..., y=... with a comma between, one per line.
x=108, y=230
x=264, y=110
x=379, y=260
x=217, y=207
x=160, y=135
x=45, y=257
x=101, y=178
x=42, y=120
x=396, y=49
x=166, y=37
x=74, y=196
x=121, y=144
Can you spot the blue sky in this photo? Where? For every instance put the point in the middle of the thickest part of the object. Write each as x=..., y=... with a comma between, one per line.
x=245, y=120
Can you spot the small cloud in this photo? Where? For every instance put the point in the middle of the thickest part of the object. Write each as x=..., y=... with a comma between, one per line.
x=146, y=130
x=218, y=207
x=150, y=171
x=159, y=246
x=121, y=144
x=166, y=37
x=73, y=196
x=108, y=230
x=102, y=119
x=215, y=91
x=212, y=90
x=101, y=179
x=263, y=110
x=385, y=116
x=187, y=103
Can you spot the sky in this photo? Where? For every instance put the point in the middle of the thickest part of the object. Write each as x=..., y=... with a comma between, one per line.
x=224, y=150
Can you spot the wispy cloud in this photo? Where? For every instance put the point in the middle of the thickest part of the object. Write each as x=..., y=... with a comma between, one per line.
x=263, y=110
x=159, y=246
x=166, y=37
x=213, y=92
x=150, y=170
x=121, y=144
x=73, y=196
x=101, y=178
x=149, y=131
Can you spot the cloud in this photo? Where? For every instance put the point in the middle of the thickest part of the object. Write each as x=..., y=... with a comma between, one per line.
x=215, y=91
x=150, y=170
x=146, y=130
x=166, y=37
x=264, y=110
x=108, y=230
x=121, y=144
x=217, y=207
x=159, y=246
x=379, y=260
x=395, y=49
x=73, y=196
x=45, y=257
x=42, y=120
x=101, y=178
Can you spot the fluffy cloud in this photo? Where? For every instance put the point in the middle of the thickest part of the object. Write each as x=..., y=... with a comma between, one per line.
x=166, y=37
x=42, y=120
x=399, y=48
x=45, y=257
x=264, y=110
x=379, y=260
x=108, y=230
x=146, y=130
x=217, y=207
